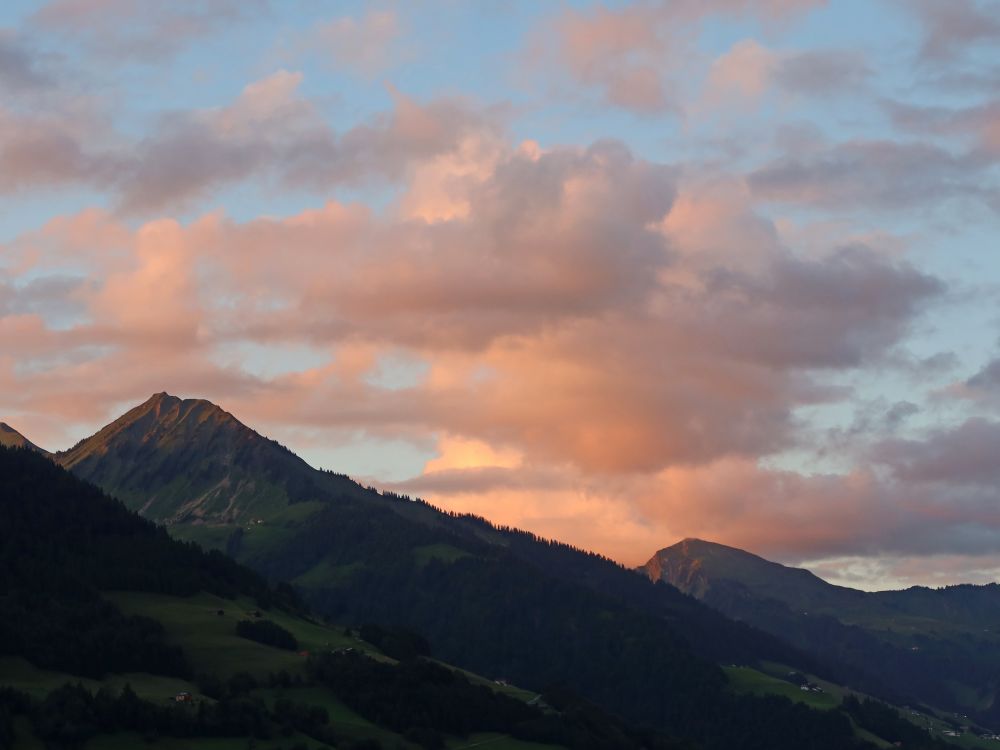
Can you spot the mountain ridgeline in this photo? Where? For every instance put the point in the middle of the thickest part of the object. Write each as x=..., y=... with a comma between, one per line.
x=63, y=543
x=497, y=601
x=938, y=646
x=11, y=438
x=95, y=599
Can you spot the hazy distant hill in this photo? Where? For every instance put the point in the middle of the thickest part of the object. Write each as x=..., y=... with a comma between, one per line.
x=941, y=646
x=497, y=601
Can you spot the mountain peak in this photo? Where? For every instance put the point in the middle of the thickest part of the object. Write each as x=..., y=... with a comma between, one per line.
x=161, y=417
x=11, y=438
x=701, y=547
x=159, y=398
x=697, y=566
x=163, y=404
x=187, y=460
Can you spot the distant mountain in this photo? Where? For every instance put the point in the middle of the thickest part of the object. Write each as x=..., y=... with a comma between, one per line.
x=695, y=566
x=11, y=438
x=497, y=601
x=941, y=646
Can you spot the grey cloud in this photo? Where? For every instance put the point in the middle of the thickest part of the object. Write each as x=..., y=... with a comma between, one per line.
x=898, y=413
x=952, y=27
x=835, y=312
x=49, y=296
x=19, y=66
x=148, y=31
x=181, y=162
x=268, y=132
x=979, y=123
x=822, y=72
x=874, y=174
x=963, y=455
x=46, y=152
x=987, y=379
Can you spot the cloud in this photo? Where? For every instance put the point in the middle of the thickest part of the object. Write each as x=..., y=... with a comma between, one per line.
x=572, y=276
x=749, y=70
x=963, y=455
x=19, y=65
x=783, y=515
x=42, y=151
x=139, y=31
x=822, y=72
x=576, y=338
x=952, y=28
x=361, y=44
x=191, y=153
x=874, y=174
x=269, y=132
x=632, y=57
x=979, y=124
x=986, y=381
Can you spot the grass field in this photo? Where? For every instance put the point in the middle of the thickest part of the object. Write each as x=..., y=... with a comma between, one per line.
x=766, y=679
x=205, y=535
x=443, y=552
x=325, y=574
x=210, y=641
x=132, y=741
x=21, y=675
x=342, y=718
x=748, y=680
x=211, y=645
x=489, y=741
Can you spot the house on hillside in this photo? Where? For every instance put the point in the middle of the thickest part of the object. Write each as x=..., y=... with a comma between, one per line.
x=183, y=697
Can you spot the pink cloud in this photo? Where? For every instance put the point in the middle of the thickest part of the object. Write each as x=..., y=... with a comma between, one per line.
x=269, y=132
x=363, y=44
x=749, y=70
x=601, y=336
x=634, y=56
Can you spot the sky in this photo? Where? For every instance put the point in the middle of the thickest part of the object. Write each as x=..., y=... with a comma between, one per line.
x=618, y=273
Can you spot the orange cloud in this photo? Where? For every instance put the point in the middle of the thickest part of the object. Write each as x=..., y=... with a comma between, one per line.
x=611, y=349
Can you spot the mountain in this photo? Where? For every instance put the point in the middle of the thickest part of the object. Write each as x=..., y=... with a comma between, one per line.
x=112, y=634
x=179, y=461
x=695, y=566
x=496, y=601
x=11, y=438
x=939, y=646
